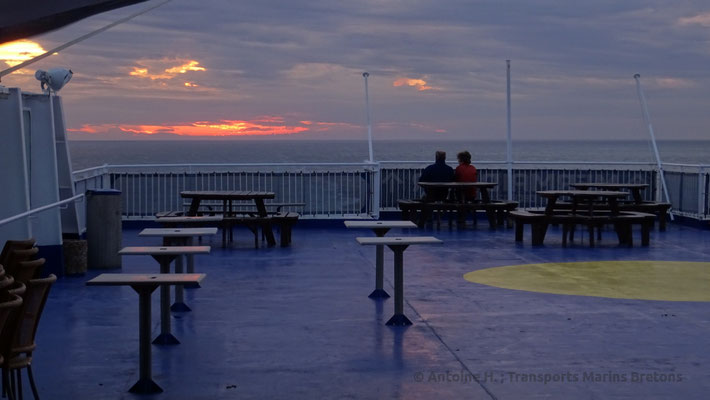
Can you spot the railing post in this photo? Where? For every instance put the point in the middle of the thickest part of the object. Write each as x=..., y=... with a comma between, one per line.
x=106, y=178
x=376, y=190
x=703, y=201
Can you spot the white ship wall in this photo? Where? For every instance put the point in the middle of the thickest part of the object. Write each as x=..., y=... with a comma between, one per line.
x=33, y=174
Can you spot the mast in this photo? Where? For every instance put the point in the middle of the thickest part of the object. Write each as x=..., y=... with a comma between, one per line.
x=647, y=120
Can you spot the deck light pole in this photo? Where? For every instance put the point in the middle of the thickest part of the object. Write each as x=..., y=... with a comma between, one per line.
x=369, y=125
x=509, y=145
x=647, y=120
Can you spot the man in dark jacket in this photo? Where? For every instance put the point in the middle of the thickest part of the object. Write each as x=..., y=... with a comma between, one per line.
x=437, y=172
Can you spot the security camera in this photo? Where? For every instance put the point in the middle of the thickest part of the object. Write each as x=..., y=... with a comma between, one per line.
x=54, y=79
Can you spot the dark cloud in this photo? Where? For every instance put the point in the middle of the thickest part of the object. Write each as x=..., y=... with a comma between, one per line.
x=572, y=65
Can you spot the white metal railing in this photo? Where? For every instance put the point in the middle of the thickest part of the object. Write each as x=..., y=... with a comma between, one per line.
x=40, y=209
x=528, y=178
x=328, y=190
x=689, y=189
x=362, y=190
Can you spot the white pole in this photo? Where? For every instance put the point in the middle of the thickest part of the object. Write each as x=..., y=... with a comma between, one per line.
x=369, y=125
x=647, y=120
x=509, y=147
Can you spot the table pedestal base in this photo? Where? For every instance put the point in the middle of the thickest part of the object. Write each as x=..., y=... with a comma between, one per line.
x=191, y=270
x=399, y=320
x=180, y=307
x=165, y=339
x=179, y=304
x=379, y=294
x=145, y=386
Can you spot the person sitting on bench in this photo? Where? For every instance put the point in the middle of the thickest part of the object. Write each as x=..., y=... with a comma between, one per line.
x=466, y=172
x=437, y=172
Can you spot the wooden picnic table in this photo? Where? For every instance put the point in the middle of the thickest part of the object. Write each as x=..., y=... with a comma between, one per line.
x=228, y=197
x=660, y=209
x=398, y=244
x=379, y=228
x=495, y=210
x=144, y=285
x=582, y=196
x=461, y=187
x=591, y=216
x=635, y=188
x=164, y=256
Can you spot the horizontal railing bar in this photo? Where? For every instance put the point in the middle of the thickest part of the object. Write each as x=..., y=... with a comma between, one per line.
x=687, y=165
x=122, y=166
x=40, y=209
x=92, y=169
x=534, y=162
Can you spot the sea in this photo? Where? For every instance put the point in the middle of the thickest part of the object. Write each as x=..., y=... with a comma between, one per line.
x=87, y=154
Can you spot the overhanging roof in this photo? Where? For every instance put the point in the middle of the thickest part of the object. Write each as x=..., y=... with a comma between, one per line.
x=20, y=19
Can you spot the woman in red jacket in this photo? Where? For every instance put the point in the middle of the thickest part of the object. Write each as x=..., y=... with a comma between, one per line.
x=466, y=172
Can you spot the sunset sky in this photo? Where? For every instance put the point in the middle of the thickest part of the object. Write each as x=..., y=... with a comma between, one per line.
x=293, y=69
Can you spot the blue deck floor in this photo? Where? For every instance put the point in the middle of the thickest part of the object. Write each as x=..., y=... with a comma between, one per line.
x=297, y=323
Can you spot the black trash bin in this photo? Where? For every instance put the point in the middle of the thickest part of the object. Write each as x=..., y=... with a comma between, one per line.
x=103, y=228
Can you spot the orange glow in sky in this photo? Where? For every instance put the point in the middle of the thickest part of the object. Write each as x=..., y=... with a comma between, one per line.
x=190, y=66
x=139, y=71
x=420, y=84
x=13, y=53
x=202, y=128
x=220, y=128
x=170, y=72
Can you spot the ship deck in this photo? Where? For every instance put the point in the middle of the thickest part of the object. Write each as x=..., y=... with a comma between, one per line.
x=296, y=322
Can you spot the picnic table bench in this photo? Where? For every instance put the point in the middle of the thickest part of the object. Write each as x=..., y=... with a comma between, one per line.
x=230, y=216
x=622, y=222
x=228, y=197
x=284, y=221
x=421, y=211
x=217, y=208
x=583, y=210
x=636, y=203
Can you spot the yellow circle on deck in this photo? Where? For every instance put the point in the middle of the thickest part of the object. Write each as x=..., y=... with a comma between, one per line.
x=643, y=280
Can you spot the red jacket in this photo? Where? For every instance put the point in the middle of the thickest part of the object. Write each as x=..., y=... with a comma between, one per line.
x=467, y=173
